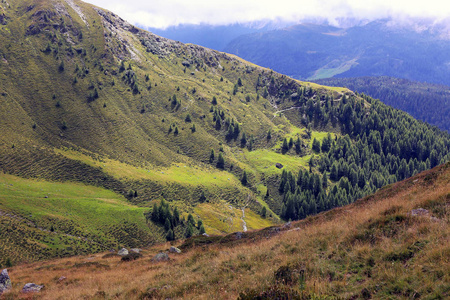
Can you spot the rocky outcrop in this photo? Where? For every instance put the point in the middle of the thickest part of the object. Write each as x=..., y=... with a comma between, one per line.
x=3, y=19
x=123, y=252
x=162, y=256
x=32, y=288
x=5, y=281
x=174, y=250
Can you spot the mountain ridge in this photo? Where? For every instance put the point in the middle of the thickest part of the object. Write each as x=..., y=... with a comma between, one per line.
x=374, y=49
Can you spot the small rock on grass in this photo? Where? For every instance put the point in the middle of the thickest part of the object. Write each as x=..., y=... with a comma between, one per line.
x=123, y=252
x=174, y=250
x=162, y=256
x=32, y=287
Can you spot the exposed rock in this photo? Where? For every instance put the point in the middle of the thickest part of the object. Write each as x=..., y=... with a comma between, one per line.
x=135, y=250
x=123, y=252
x=286, y=226
x=5, y=281
x=239, y=235
x=162, y=256
x=132, y=256
x=31, y=288
x=174, y=250
x=205, y=234
x=3, y=20
x=62, y=278
x=279, y=166
x=419, y=212
x=422, y=212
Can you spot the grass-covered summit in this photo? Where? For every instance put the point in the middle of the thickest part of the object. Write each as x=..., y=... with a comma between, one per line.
x=102, y=122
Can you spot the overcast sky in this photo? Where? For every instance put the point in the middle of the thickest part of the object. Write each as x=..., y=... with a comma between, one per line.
x=163, y=13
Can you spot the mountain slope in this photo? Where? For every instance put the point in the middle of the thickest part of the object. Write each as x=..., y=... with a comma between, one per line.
x=379, y=48
x=393, y=244
x=426, y=102
x=94, y=103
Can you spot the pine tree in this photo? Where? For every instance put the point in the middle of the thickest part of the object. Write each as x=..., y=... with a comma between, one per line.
x=189, y=230
x=316, y=145
x=220, y=161
x=170, y=236
x=199, y=223
x=167, y=225
x=298, y=146
x=176, y=216
x=324, y=180
x=191, y=220
x=212, y=156
x=285, y=146
x=244, y=178
x=243, y=140
x=202, y=197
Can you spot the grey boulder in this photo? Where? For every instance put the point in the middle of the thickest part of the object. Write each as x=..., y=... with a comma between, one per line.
x=31, y=288
x=123, y=252
x=162, y=256
x=174, y=250
x=5, y=281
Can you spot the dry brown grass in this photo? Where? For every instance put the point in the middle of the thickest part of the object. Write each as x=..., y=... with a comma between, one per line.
x=372, y=248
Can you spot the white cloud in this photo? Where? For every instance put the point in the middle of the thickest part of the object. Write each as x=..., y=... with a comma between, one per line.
x=163, y=13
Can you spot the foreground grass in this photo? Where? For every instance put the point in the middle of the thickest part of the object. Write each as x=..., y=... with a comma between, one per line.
x=373, y=248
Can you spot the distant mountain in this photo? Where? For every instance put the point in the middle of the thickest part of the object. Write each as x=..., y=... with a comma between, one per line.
x=312, y=52
x=214, y=36
x=424, y=101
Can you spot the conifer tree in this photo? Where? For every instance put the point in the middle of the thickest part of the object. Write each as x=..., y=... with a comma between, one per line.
x=211, y=156
x=220, y=161
x=244, y=178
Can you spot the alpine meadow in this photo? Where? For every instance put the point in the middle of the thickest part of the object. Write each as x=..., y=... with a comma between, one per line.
x=112, y=137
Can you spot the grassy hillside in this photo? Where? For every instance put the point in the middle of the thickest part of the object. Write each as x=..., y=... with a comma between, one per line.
x=373, y=248
x=88, y=100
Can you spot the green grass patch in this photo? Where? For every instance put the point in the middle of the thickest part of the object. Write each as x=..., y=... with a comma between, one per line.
x=179, y=173
x=69, y=217
x=263, y=161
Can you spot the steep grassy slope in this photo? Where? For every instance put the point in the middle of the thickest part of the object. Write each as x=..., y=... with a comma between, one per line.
x=374, y=248
x=89, y=99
